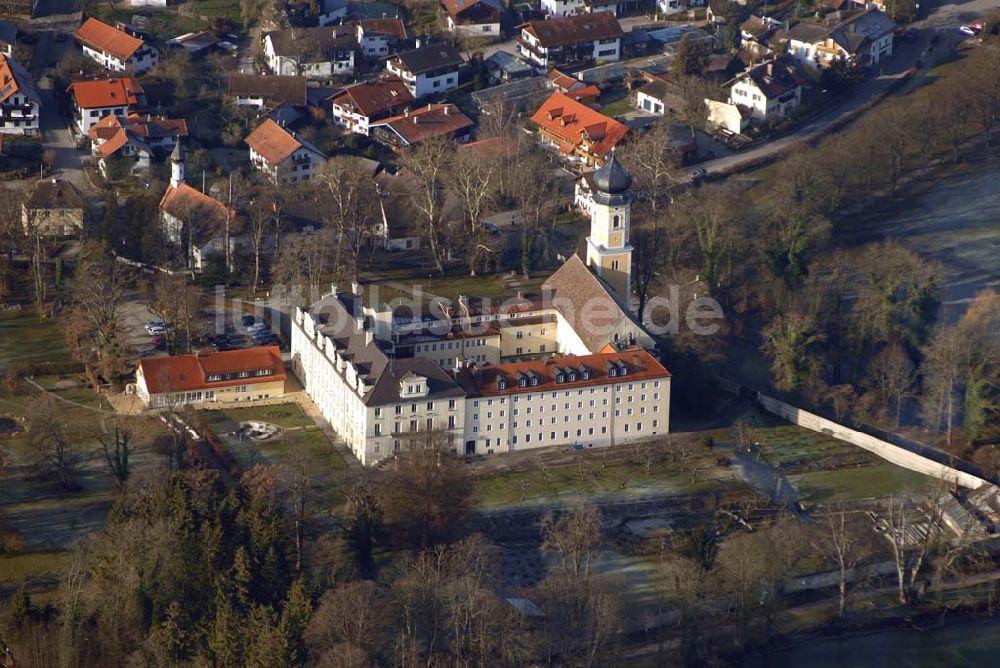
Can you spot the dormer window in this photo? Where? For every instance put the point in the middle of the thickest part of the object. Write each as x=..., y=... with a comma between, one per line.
x=534, y=381
x=559, y=378
x=501, y=384
x=612, y=372
x=623, y=370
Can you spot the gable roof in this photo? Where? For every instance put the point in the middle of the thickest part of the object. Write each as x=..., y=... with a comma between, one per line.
x=588, y=304
x=563, y=82
x=572, y=29
x=472, y=9
x=115, y=92
x=116, y=133
x=312, y=44
x=429, y=57
x=15, y=79
x=184, y=201
x=269, y=87
x=102, y=37
x=573, y=123
x=190, y=372
x=275, y=143
x=54, y=194
x=862, y=27
x=434, y=120
x=372, y=98
x=392, y=27
x=775, y=77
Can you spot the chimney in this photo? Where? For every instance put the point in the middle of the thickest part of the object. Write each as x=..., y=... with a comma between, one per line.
x=355, y=288
x=446, y=110
x=417, y=43
x=333, y=289
x=770, y=69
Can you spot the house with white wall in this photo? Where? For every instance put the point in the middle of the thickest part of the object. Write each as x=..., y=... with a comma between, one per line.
x=115, y=49
x=377, y=38
x=562, y=8
x=863, y=37
x=473, y=18
x=358, y=106
x=315, y=53
x=282, y=154
x=771, y=90
x=572, y=40
x=93, y=100
x=20, y=102
x=427, y=70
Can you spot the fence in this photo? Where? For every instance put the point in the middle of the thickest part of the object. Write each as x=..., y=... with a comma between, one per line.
x=891, y=453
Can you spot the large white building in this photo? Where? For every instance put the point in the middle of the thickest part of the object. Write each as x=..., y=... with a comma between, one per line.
x=427, y=70
x=570, y=367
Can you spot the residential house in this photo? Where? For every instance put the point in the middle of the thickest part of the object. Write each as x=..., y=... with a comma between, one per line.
x=573, y=40
x=53, y=209
x=140, y=137
x=315, y=53
x=474, y=18
x=435, y=121
x=728, y=116
x=658, y=97
x=20, y=101
x=331, y=11
x=262, y=91
x=577, y=130
x=562, y=8
x=757, y=35
x=8, y=38
x=247, y=375
x=378, y=38
x=115, y=49
x=93, y=100
x=669, y=7
x=397, y=230
x=427, y=70
x=573, y=88
x=194, y=43
x=360, y=105
x=861, y=37
x=771, y=90
x=283, y=155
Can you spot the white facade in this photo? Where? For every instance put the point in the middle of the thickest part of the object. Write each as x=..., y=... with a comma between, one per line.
x=374, y=44
x=671, y=6
x=421, y=85
x=560, y=8
x=649, y=103
x=598, y=50
x=87, y=117
x=19, y=114
x=746, y=93
x=288, y=66
x=300, y=166
x=488, y=30
x=609, y=413
x=142, y=60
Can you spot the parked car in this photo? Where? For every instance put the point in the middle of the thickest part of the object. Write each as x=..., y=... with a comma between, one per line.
x=967, y=30
x=155, y=328
x=698, y=175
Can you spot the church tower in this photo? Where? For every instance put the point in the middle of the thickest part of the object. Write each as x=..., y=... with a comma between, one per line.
x=177, y=165
x=609, y=253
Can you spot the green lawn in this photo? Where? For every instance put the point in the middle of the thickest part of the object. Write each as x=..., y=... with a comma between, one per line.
x=789, y=443
x=225, y=9
x=299, y=431
x=627, y=479
x=866, y=482
x=15, y=568
x=283, y=415
x=26, y=339
x=617, y=107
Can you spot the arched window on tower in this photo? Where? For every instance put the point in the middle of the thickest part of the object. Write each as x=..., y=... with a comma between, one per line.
x=616, y=221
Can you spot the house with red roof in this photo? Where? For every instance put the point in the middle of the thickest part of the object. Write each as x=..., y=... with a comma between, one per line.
x=243, y=376
x=115, y=49
x=282, y=154
x=20, y=102
x=139, y=136
x=378, y=38
x=576, y=130
x=358, y=106
x=435, y=121
x=94, y=100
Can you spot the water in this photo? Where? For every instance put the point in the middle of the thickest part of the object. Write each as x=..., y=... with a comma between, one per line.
x=955, y=222
x=963, y=643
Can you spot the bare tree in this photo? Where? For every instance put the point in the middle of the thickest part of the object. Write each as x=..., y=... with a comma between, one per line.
x=349, y=198
x=474, y=182
x=116, y=438
x=428, y=162
x=892, y=374
x=842, y=542
x=653, y=159
x=174, y=299
x=573, y=537
x=911, y=534
x=649, y=244
x=54, y=448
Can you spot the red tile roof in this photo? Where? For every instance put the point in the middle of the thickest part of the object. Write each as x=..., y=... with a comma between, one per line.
x=182, y=373
x=638, y=365
x=575, y=125
x=375, y=97
x=393, y=27
x=272, y=142
x=583, y=92
x=184, y=201
x=102, y=37
x=117, y=92
x=434, y=120
x=471, y=9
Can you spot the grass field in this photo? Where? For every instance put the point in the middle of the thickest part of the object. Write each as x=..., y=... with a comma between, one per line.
x=16, y=568
x=876, y=481
x=594, y=479
x=788, y=443
x=298, y=431
x=26, y=339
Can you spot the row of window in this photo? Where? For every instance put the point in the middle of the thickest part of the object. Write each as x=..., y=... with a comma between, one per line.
x=593, y=390
x=452, y=404
x=566, y=418
x=397, y=427
x=554, y=435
